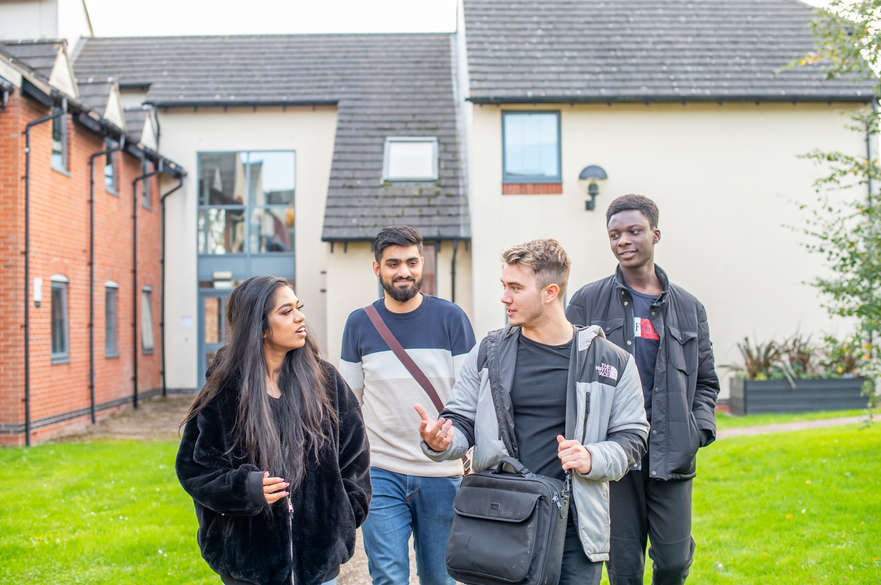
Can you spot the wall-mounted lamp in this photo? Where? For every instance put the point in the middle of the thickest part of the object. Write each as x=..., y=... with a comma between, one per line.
x=592, y=174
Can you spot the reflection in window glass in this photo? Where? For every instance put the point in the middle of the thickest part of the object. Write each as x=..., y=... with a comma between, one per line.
x=221, y=231
x=111, y=302
x=59, y=141
x=531, y=146
x=271, y=177
x=222, y=178
x=146, y=322
x=59, y=320
x=213, y=320
x=272, y=229
x=412, y=159
x=110, y=173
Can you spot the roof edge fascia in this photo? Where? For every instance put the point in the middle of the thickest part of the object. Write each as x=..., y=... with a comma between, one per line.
x=237, y=103
x=670, y=99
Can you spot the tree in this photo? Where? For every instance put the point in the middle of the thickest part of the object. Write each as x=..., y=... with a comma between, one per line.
x=846, y=230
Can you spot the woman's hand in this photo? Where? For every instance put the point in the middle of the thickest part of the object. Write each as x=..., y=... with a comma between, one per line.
x=273, y=488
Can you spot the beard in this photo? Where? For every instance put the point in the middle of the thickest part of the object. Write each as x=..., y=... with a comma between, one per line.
x=401, y=295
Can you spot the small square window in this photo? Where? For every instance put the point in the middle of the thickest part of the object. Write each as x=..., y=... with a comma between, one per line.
x=531, y=147
x=60, y=326
x=410, y=159
x=146, y=321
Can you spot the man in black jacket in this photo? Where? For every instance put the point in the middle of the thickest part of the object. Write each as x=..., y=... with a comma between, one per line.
x=665, y=328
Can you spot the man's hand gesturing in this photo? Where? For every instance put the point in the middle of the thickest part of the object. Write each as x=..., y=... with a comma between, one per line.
x=437, y=434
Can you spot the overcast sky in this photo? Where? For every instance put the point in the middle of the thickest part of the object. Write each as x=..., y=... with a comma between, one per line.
x=209, y=17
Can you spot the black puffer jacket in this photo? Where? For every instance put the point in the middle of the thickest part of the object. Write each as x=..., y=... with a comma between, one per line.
x=237, y=539
x=684, y=397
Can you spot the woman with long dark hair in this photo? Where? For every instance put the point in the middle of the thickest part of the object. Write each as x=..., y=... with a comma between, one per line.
x=274, y=451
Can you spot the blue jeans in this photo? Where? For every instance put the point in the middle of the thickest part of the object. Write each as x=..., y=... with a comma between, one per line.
x=401, y=505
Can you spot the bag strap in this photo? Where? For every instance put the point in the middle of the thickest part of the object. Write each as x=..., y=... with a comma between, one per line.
x=402, y=355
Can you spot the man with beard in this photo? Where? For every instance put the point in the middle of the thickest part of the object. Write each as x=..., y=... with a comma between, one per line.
x=411, y=494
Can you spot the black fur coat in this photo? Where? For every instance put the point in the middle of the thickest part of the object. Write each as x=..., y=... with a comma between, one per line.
x=236, y=537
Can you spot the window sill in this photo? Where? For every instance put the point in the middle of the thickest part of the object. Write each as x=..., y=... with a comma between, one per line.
x=532, y=188
x=64, y=172
x=60, y=360
x=111, y=356
x=147, y=352
x=111, y=192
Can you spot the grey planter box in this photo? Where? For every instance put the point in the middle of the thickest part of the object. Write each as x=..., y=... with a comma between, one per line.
x=755, y=396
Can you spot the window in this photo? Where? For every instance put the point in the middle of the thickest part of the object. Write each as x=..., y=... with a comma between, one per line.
x=111, y=311
x=410, y=159
x=146, y=321
x=59, y=141
x=60, y=326
x=111, y=174
x=531, y=147
x=145, y=185
x=246, y=202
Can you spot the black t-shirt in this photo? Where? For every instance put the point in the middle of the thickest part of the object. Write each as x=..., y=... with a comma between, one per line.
x=646, y=342
x=539, y=400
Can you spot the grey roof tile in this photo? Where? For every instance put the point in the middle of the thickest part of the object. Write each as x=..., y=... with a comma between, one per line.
x=635, y=50
x=38, y=55
x=135, y=118
x=384, y=85
x=95, y=93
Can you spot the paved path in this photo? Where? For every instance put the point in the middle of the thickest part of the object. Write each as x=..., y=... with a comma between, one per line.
x=786, y=427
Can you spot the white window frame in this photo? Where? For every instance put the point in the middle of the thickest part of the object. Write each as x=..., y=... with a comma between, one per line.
x=59, y=281
x=111, y=352
x=391, y=140
x=148, y=342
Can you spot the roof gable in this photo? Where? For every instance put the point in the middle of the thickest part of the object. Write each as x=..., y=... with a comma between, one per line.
x=61, y=76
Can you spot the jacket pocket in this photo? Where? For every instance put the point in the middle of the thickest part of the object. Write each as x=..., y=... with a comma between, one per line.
x=684, y=443
x=614, y=330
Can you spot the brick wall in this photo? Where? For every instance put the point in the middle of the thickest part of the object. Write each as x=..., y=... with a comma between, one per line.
x=59, y=245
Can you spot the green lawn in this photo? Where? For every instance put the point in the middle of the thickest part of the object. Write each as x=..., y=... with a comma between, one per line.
x=789, y=508
x=730, y=421
x=105, y=512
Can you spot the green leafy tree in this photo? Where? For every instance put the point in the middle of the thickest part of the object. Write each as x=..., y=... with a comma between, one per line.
x=845, y=229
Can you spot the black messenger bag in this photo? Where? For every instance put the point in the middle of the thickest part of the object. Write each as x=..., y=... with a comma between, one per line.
x=509, y=524
x=508, y=527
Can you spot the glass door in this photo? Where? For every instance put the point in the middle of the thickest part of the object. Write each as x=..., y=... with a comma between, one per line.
x=212, y=327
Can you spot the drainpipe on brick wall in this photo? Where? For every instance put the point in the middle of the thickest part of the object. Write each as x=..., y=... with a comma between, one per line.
x=180, y=183
x=135, y=294
x=27, y=254
x=107, y=152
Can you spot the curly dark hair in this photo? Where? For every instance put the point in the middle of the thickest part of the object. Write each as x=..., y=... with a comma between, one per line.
x=639, y=203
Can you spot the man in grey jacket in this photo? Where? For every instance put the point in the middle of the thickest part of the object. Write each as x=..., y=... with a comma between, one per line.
x=572, y=399
x=665, y=328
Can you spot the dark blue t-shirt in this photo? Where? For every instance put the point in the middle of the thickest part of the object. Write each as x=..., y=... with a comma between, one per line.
x=645, y=344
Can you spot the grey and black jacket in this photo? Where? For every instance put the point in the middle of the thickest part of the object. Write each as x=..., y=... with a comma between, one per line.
x=684, y=395
x=604, y=411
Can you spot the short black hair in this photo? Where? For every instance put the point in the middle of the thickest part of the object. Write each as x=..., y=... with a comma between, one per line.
x=639, y=203
x=396, y=235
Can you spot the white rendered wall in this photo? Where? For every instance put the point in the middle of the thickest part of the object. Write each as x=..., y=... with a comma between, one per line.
x=725, y=177
x=29, y=20
x=310, y=132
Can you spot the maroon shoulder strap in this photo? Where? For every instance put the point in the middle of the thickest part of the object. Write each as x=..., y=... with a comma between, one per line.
x=398, y=350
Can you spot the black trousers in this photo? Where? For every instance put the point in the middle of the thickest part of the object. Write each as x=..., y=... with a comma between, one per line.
x=658, y=510
x=577, y=569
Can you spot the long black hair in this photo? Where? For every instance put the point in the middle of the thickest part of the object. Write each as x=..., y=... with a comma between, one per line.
x=279, y=443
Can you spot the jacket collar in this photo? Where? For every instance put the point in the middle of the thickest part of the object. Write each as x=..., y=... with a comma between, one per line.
x=622, y=288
